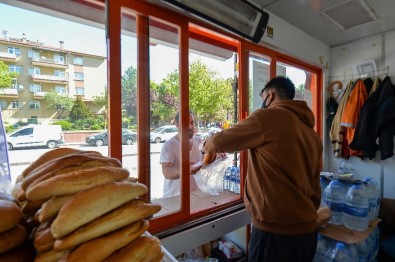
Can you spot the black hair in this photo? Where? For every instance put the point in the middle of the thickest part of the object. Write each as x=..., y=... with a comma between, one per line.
x=177, y=117
x=283, y=86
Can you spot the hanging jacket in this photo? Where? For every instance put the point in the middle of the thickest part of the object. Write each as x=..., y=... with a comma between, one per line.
x=364, y=136
x=337, y=131
x=352, y=110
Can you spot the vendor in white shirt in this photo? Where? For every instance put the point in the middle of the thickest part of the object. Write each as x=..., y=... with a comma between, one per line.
x=170, y=159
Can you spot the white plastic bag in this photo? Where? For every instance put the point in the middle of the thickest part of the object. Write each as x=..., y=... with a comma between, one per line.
x=210, y=178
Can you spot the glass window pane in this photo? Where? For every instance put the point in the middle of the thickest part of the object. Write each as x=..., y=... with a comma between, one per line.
x=259, y=75
x=164, y=103
x=211, y=98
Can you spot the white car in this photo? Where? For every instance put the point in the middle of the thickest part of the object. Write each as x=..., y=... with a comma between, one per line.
x=163, y=133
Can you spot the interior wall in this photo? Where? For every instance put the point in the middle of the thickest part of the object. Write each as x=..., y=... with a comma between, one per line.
x=381, y=49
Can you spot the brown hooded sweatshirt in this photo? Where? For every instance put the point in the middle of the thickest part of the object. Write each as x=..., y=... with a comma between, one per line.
x=282, y=188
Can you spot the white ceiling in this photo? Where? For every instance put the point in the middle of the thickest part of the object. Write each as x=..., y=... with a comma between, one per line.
x=308, y=16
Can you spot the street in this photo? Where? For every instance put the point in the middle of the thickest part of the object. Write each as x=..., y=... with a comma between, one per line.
x=20, y=158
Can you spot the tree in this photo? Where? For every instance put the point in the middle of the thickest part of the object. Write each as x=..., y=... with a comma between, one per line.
x=79, y=110
x=129, y=91
x=58, y=102
x=6, y=76
x=210, y=97
x=102, y=101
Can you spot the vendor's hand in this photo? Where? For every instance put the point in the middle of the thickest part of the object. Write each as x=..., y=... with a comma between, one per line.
x=221, y=155
x=196, y=167
x=324, y=215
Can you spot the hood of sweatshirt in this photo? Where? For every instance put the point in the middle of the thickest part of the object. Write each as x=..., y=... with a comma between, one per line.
x=298, y=107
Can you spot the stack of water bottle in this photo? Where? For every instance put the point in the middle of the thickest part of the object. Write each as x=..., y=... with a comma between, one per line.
x=353, y=204
x=332, y=250
x=231, y=180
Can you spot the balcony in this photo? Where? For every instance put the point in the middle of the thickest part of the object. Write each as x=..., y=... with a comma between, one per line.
x=43, y=61
x=50, y=79
x=39, y=94
x=7, y=57
x=8, y=92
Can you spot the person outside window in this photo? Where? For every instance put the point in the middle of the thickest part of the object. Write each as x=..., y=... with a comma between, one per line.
x=170, y=159
x=282, y=187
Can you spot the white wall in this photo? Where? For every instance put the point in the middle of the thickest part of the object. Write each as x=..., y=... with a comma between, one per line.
x=381, y=49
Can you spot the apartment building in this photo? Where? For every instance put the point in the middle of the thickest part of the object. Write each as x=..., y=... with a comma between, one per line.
x=44, y=69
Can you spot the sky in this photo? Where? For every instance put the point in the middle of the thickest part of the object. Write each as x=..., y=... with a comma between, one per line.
x=91, y=40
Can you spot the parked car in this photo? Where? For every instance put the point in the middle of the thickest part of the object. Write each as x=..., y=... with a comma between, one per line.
x=128, y=138
x=163, y=133
x=36, y=135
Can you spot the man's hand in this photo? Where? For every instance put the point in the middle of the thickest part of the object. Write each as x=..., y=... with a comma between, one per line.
x=196, y=167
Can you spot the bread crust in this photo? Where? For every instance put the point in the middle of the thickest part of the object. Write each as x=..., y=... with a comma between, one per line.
x=90, y=204
x=56, y=164
x=75, y=181
x=50, y=255
x=47, y=156
x=21, y=253
x=10, y=215
x=88, y=251
x=12, y=238
x=126, y=214
x=44, y=241
x=50, y=208
x=209, y=158
x=136, y=251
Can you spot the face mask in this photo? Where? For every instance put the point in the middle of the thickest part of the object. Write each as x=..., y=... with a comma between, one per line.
x=264, y=106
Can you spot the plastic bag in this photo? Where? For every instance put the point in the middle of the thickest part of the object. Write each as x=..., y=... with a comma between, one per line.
x=210, y=178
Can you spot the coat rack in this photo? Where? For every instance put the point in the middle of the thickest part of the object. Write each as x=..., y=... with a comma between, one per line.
x=347, y=77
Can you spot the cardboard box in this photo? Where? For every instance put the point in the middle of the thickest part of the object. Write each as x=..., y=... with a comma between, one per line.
x=346, y=235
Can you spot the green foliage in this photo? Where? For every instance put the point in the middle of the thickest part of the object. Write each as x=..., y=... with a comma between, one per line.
x=6, y=76
x=210, y=97
x=79, y=111
x=102, y=101
x=9, y=129
x=58, y=102
x=66, y=125
x=90, y=123
x=129, y=91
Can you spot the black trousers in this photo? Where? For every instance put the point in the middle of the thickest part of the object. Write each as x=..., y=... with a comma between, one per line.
x=268, y=247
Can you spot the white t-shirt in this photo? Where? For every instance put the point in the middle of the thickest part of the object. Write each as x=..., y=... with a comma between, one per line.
x=170, y=153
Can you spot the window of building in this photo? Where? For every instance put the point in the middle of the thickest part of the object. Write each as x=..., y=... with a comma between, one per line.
x=34, y=71
x=59, y=73
x=33, y=88
x=15, y=68
x=14, y=50
x=80, y=91
x=79, y=76
x=58, y=58
x=15, y=104
x=3, y=104
x=34, y=55
x=60, y=90
x=34, y=104
x=78, y=60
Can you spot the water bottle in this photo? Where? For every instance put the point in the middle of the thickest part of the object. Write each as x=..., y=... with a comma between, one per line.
x=334, y=195
x=364, y=249
x=324, y=182
x=232, y=180
x=227, y=178
x=237, y=180
x=341, y=253
x=324, y=249
x=356, y=208
x=375, y=240
x=373, y=196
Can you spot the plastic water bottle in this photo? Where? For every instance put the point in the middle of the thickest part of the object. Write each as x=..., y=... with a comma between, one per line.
x=364, y=249
x=324, y=182
x=227, y=178
x=373, y=196
x=356, y=208
x=237, y=180
x=375, y=240
x=334, y=195
x=341, y=253
x=324, y=250
x=232, y=180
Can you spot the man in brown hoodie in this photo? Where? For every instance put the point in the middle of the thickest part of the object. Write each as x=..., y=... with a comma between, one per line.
x=282, y=187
